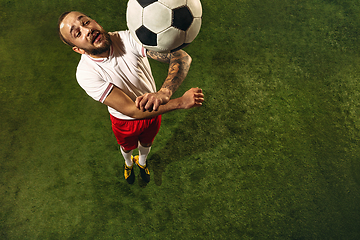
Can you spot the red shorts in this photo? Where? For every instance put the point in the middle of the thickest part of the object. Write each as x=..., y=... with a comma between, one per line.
x=129, y=132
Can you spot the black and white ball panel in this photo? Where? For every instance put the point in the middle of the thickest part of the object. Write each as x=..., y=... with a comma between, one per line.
x=164, y=25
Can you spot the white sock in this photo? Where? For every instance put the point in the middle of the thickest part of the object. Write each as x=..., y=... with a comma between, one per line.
x=127, y=157
x=143, y=153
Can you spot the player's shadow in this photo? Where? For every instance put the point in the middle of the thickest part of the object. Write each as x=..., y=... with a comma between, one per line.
x=182, y=143
x=195, y=135
x=186, y=140
x=157, y=166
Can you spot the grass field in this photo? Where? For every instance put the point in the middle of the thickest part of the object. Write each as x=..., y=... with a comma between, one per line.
x=273, y=153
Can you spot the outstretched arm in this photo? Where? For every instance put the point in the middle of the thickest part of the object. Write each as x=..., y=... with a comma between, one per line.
x=121, y=102
x=179, y=65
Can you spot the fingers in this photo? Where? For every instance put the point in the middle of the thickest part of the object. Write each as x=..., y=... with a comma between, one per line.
x=138, y=100
x=199, y=101
x=152, y=104
x=198, y=97
x=141, y=102
x=152, y=101
x=199, y=90
x=196, y=89
x=156, y=105
x=148, y=102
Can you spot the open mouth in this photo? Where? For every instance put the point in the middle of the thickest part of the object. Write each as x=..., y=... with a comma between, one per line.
x=96, y=37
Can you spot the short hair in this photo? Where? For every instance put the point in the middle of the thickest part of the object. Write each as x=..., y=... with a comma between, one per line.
x=61, y=18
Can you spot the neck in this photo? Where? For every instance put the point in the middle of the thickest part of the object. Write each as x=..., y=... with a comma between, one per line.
x=102, y=55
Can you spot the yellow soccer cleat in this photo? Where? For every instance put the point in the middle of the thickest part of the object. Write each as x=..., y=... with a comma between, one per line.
x=144, y=171
x=129, y=173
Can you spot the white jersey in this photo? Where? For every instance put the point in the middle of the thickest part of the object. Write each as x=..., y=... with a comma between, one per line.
x=127, y=67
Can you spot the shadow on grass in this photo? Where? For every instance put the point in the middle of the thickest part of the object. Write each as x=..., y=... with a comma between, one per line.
x=189, y=138
x=200, y=131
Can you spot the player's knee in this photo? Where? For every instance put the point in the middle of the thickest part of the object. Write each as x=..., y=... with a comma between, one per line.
x=126, y=151
x=146, y=144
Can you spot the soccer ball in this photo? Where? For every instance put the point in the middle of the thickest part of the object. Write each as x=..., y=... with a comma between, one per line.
x=164, y=25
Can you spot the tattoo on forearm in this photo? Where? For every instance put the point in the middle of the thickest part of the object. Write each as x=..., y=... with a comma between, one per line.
x=178, y=69
x=161, y=57
x=179, y=66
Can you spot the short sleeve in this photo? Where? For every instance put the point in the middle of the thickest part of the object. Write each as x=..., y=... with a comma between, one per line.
x=94, y=85
x=136, y=47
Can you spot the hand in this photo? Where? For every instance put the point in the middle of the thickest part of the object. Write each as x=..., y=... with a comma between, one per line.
x=193, y=97
x=152, y=101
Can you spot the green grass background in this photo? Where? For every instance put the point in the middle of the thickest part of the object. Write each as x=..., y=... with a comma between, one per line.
x=272, y=154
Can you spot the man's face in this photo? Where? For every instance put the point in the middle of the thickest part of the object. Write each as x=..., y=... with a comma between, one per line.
x=85, y=34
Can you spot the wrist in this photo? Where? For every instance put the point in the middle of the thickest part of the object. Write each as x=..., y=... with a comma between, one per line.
x=177, y=103
x=166, y=92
